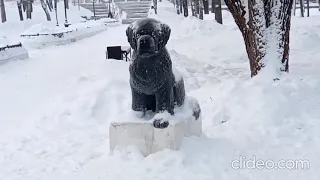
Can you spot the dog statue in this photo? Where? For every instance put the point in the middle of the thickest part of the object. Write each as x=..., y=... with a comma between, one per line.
x=153, y=84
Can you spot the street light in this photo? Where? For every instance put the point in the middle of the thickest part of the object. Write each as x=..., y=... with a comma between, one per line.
x=66, y=24
x=55, y=9
x=109, y=7
x=94, y=10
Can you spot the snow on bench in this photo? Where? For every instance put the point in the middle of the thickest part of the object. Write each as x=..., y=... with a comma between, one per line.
x=130, y=130
x=12, y=52
x=45, y=34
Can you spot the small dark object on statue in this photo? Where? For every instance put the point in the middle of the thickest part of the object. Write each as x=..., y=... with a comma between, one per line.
x=152, y=7
x=152, y=81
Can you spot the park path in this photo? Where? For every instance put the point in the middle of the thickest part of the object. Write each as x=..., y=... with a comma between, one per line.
x=49, y=73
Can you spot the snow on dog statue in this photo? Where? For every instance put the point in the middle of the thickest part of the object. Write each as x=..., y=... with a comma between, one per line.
x=153, y=83
x=157, y=87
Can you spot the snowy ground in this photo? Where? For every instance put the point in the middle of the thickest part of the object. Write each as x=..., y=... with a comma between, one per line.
x=55, y=108
x=73, y=33
x=15, y=27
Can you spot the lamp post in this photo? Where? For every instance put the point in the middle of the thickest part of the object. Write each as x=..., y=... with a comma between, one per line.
x=94, y=9
x=55, y=9
x=66, y=24
x=109, y=7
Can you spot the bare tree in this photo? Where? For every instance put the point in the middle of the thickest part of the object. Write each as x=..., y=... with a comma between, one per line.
x=265, y=27
x=193, y=8
x=56, y=11
x=213, y=4
x=218, y=12
x=206, y=6
x=197, y=7
x=3, y=11
x=50, y=5
x=301, y=8
x=19, y=4
x=308, y=8
x=177, y=6
x=45, y=9
x=185, y=8
x=200, y=9
x=155, y=6
x=294, y=7
x=28, y=8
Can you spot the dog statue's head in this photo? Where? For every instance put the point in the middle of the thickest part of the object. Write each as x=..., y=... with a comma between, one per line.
x=148, y=36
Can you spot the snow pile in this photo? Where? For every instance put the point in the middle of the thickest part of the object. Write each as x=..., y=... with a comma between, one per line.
x=14, y=27
x=63, y=100
x=12, y=53
x=52, y=35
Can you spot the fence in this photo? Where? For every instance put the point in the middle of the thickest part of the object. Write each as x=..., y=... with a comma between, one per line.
x=10, y=46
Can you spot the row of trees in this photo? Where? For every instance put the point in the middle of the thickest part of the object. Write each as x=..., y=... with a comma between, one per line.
x=26, y=6
x=302, y=4
x=265, y=27
x=199, y=8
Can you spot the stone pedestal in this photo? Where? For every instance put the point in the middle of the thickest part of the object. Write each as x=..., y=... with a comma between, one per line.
x=148, y=139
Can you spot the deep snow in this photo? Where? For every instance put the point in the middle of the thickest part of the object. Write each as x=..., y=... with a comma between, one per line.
x=55, y=108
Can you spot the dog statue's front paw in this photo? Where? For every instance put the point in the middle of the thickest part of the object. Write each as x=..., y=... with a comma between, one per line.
x=138, y=114
x=159, y=123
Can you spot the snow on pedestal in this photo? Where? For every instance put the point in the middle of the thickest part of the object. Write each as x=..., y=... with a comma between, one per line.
x=130, y=130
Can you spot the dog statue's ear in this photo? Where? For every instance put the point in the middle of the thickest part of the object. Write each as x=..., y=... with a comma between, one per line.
x=165, y=34
x=129, y=33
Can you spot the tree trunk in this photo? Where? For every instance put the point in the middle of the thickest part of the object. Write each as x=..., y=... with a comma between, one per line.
x=155, y=6
x=28, y=9
x=264, y=24
x=45, y=9
x=294, y=7
x=301, y=8
x=177, y=7
x=50, y=5
x=201, y=9
x=3, y=11
x=213, y=5
x=56, y=11
x=218, y=12
x=31, y=5
x=24, y=5
x=19, y=4
x=308, y=8
x=197, y=8
x=180, y=6
x=206, y=6
x=193, y=9
x=67, y=4
x=185, y=8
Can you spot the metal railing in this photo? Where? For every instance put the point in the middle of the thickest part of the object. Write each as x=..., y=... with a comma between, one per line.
x=59, y=35
x=10, y=46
